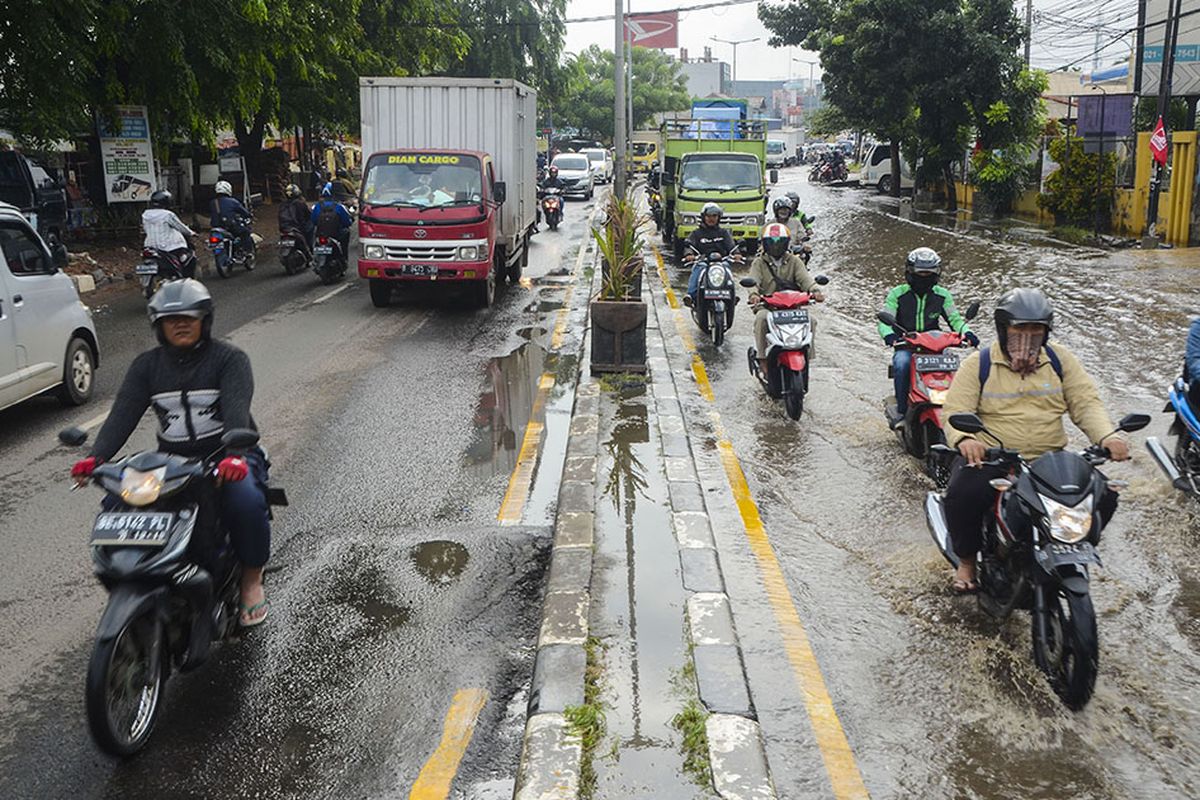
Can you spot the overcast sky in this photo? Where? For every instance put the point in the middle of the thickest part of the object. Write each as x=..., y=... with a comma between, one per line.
x=1064, y=34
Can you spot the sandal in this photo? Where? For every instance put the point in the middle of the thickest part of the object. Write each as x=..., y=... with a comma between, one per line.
x=253, y=615
x=961, y=587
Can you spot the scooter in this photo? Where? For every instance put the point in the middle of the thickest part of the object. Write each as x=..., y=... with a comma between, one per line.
x=789, y=346
x=228, y=252
x=1037, y=548
x=160, y=266
x=294, y=253
x=552, y=207
x=1183, y=468
x=654, y=198
x=329, y=260
x=160, y=550
x=716, y=298
x=929, y=379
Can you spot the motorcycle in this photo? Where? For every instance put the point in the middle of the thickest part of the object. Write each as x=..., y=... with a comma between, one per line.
x=552, y=207
x=329, y=260
x=294, y=254
x=929, y=380
x=228, y=252
x=654, y=198
x=1037, y=548
x=1182, y=468
x=789, y=342
x=160, y=551
x=715, y=297
x=160, y=266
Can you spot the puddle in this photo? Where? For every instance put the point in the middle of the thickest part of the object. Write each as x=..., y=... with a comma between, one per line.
x=531, y=333
x=504, y=409
x=369, y=593
x=627, y=478
x=439, y=562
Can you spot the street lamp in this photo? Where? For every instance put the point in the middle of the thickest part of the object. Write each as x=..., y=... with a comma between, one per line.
x=735, y=47
x=811, y=64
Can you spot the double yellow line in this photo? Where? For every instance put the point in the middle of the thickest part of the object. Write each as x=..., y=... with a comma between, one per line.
x=840, y=765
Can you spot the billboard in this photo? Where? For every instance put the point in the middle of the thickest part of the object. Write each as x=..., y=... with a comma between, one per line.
x=126, y=155
x=659, y=30
x=1186, y=78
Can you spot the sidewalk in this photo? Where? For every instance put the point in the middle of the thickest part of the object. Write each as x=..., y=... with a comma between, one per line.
x=639, y=688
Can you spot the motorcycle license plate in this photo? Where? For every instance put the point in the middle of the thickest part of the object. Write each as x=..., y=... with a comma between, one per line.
x=120, y=528
x=148, y=268
x=323, y=249
x=940, y=362
x=790, y=316
x=418, y=269
x=286, y=244
x=716, y=294
x=1056, y=553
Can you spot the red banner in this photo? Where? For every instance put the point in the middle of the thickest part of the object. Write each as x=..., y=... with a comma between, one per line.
x=660, y=30
x=1158, y=143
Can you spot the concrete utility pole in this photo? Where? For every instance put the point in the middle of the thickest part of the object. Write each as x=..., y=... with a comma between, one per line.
x=735, y=47
x=812, y=87
x=619, y=142
x=629, y=79
x=1170, y=38
x=1028, y=29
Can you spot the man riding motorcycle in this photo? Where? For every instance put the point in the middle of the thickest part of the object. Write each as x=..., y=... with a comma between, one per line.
x=165, y=231
x=331, y=219
x=709, y=238
x=295, y=215
x=1020, y=390
x=776, y=268
x=552, y=181
x=919, y=304
x=199, y=387
x=228, y=212
x=799, y=223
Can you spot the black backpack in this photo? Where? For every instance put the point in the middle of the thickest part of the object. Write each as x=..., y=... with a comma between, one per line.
x=328, y=221
x=985, y=363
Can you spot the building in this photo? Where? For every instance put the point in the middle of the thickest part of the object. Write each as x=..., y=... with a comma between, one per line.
x=705, y=76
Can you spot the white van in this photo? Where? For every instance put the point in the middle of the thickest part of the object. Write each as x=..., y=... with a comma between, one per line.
x=47, y=339
x=877, y=169
x=601, y=162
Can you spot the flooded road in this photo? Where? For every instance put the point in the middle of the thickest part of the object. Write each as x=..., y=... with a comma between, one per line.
x=938, y=700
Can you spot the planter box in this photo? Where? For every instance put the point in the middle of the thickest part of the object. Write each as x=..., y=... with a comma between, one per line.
x=618, y=336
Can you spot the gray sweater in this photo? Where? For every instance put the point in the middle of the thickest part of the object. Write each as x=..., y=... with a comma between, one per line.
x=197, y=395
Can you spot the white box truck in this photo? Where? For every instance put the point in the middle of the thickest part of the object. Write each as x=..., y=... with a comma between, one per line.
x=449, y=189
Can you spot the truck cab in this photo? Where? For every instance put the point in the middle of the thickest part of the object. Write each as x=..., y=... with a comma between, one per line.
x=777, y=155
x=644, y=156
x=27, y=185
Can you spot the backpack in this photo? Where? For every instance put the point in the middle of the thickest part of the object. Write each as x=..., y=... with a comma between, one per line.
x=328, y=221
x=985, y=363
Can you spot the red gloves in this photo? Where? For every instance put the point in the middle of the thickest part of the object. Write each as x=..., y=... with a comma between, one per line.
x=232, y=468
x=85, y=467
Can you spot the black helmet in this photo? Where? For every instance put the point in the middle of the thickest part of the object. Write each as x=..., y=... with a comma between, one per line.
x=1022, y=306
x=922, y=268
x=795, y=200
x=186, y=298
x=783, y=204
x=160, y=199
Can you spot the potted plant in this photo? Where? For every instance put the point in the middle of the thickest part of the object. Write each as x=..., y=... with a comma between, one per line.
x=618, y=314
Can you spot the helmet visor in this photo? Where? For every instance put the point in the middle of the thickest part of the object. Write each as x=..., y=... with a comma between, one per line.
x=775, y=246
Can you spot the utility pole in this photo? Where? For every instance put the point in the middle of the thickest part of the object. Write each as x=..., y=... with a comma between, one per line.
x=735, y=47
x=619, y=142
x=629, y=79
x=1170, y=38
x=1028, y=29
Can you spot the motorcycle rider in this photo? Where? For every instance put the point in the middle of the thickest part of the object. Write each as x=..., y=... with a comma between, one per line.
x=331, y=219
x=775, y=269
x=1027, y=386
x=709, y=238
x=919, y=304
x=199, y=388
x=799, y=219
x=165, y=231
x=228, y=212
x=552, y=181
x=1191, y=364
x=295, y=215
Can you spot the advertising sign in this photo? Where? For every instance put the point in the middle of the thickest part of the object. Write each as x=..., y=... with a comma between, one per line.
x=127, y=157
x=659, y=30
x=1186, y=78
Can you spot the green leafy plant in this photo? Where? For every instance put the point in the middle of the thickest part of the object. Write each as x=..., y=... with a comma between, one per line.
x=619, y=241
x=999, y=176
x=690, y=722
x=586, y=721
x=1080, y=191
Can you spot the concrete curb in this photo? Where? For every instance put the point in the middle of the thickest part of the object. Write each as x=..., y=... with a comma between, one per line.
x=84, y=283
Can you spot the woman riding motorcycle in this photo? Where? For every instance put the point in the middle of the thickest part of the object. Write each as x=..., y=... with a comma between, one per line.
x=774, y=269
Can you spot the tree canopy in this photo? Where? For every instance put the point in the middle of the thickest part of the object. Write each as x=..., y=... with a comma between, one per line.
x=587, y=104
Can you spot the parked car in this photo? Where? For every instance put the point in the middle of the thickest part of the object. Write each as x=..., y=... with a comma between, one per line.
x=27, y=185
x=47, y=340
x=877, y=170
x=601, y=162
x=575, y=171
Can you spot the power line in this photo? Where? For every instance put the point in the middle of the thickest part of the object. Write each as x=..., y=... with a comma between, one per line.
x=700, y=7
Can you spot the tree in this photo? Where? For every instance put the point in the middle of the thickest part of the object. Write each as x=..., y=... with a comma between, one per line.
x=519, y=39
x=827, y=120
x=658, y=87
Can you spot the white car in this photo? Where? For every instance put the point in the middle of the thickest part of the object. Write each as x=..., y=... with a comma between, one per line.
x=877, y=170
x=601, y=162
x=575, y=171
x=47, y=340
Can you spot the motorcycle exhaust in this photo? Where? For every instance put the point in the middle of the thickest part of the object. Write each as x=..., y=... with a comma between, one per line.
x=196, y=586
x=1160, y=455
x=935, y=516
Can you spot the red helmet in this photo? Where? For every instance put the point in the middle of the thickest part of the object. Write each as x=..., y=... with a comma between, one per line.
x=775, y=239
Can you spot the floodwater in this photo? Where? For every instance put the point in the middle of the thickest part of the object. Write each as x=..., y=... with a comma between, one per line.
x=938, y=700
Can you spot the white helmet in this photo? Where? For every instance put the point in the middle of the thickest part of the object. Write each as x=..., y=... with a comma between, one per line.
x=223, y=187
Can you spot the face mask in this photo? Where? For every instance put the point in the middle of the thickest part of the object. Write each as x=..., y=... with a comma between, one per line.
x=1023, y=348
x=922, y=282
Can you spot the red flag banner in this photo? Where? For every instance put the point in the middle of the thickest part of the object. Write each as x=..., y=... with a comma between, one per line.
x=659, y=30
x=1158, y=143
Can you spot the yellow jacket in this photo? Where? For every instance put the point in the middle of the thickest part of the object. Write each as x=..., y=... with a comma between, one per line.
x=1026, y=413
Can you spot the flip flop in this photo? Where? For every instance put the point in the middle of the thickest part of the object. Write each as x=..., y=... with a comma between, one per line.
x=961, y=587
x=247, y=618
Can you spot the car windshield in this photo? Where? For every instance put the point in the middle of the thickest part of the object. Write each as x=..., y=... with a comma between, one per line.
x=721, y=175
x=422, y=179
x=594, y=155
x=774, y=147
x=642, y=148
x=571, y=162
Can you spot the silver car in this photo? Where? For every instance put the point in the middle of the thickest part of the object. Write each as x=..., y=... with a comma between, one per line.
x=47, y=340
x=575, y=172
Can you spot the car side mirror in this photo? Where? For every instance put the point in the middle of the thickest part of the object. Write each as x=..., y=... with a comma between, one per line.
x=967, y=423
x=239, y=439
x=1133, y=422
x=887, y=318
x=749, y=283
x=74, y=437
x=58, y=252
x=972, y=311
x=821, y=280
x=500, y=191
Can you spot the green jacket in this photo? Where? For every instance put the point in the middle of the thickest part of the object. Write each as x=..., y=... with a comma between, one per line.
x=922, y=312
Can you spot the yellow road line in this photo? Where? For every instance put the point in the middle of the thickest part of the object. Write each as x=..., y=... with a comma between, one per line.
x=840, y=765
x=433, y=783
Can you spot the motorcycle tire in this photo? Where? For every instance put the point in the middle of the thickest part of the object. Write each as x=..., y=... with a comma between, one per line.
x=793, y=394
x=293, y=263
x=109, y=673
x=248, y=262
x=153, y=286
x=223, y=265
x=1070, y=657
x=329, y=275
x=553, y=222
x=716, y=327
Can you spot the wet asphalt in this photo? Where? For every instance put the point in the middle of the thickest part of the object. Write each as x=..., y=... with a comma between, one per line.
x=937, y=700
x=394, y=432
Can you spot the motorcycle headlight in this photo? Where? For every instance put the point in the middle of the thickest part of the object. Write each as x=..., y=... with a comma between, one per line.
x=141, y=488
x=1068, y=524
x=468, y=253
x=374, y=252
x=716, y=276
x=938, y=396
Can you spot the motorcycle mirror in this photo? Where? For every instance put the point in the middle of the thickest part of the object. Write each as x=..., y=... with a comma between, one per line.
x=1133, y=422
x=811, y=219
x=821, y=280
x=972, y=311
x=967, y=423
x=239, y=439
x=774, y=176
x=749, y=283
x=887, y=318
x=74, y=437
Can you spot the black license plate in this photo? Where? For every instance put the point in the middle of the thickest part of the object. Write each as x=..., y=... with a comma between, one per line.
x=790, y=316
x=117, y=528
x=1057, y=553
x=418, y=269
x=940, y=362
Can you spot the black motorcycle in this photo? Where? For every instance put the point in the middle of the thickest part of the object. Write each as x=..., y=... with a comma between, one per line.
x=172, y=578
x=552, y=206
x=716, y=297
x=160, y=266
x=329, y=259
x=229, y=251
x=1037, y=547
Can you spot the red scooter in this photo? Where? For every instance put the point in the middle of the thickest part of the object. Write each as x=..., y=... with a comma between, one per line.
x=789, y=346
x=929, y=381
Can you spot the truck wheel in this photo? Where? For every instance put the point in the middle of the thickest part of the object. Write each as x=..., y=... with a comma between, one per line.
x=381, y=292
x=514, y=270
x=485, y=292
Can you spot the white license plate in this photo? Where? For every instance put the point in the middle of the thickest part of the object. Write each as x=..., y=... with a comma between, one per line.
x=323, y=249
x=147, y=269
x=118, y=528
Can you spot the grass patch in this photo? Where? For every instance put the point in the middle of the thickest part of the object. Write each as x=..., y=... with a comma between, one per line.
x=690, y=723
x=1073, y=235
x=587, y=721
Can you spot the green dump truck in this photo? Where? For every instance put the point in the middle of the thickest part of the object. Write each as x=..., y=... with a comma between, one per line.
x=713, y=160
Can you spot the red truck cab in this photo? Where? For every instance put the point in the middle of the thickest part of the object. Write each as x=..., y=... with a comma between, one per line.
x=431, y=215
